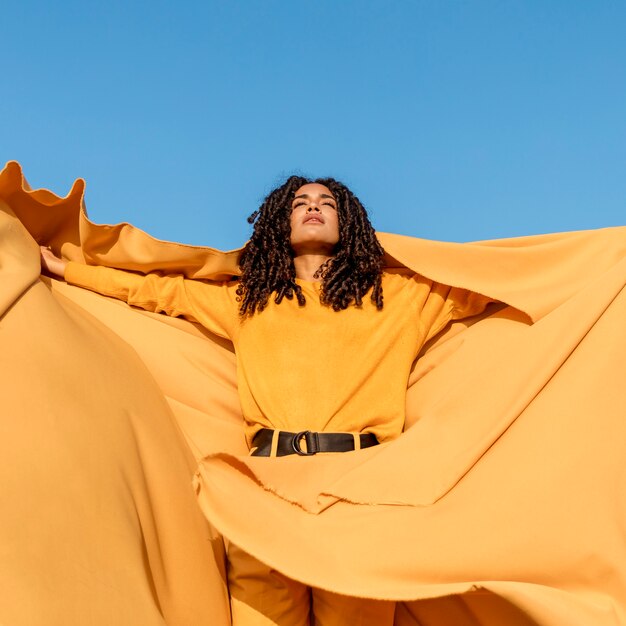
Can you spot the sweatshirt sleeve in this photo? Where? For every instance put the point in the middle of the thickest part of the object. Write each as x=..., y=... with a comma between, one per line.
x=445, y=304
x=213, y=305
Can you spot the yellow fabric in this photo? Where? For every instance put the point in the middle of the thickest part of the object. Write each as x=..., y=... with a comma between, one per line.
x=99, y=523
x=503, y=502
x=261, y=596
x=307, y=367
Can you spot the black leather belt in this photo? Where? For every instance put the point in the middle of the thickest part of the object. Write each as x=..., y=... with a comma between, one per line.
x=290, y=443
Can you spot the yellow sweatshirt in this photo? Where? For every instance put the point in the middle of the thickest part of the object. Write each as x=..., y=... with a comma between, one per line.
x=307, y=368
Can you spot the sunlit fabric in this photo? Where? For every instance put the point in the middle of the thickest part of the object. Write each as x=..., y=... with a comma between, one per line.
x=502, y=503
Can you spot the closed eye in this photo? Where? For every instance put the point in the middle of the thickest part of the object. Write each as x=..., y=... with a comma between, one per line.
x=328, y=204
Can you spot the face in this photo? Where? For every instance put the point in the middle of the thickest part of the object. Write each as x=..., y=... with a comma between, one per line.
x=314, y=220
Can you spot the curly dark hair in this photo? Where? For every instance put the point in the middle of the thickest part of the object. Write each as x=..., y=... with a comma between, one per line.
x=267, y=260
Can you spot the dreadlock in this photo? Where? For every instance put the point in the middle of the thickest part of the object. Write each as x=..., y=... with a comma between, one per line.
x=267, y=260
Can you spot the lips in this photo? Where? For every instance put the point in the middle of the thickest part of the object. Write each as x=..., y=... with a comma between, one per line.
x=315, y=219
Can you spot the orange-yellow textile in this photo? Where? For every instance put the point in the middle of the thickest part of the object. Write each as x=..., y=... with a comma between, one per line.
x=503, y=502
x=307, y=368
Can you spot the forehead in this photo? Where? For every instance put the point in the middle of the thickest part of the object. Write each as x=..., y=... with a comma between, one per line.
x=314, y=190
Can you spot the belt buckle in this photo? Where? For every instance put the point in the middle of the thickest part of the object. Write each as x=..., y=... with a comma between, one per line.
x=295, y=443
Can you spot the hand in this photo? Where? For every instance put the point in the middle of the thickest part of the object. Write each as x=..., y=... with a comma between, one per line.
x=52, y=263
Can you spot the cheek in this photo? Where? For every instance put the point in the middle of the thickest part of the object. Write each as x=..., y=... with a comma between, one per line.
x=336, y=226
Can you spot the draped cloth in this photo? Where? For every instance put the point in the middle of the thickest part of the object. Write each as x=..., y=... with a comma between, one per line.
x=124, y=462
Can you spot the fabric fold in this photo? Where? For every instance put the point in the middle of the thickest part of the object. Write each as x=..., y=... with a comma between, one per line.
x=504, y=500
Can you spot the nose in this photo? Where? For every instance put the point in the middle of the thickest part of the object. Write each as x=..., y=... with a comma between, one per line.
x=313, y=207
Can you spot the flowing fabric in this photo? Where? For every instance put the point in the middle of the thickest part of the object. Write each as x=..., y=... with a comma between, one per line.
x=503, y=503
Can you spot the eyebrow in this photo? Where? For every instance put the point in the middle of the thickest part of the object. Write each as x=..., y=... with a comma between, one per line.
x=322, y=195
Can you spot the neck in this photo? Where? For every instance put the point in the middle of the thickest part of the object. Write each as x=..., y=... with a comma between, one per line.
x=307, y=264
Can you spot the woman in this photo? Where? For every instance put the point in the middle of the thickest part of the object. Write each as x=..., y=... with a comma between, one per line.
x=322, y=359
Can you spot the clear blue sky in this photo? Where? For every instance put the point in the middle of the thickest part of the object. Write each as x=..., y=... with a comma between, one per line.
x=454, y=120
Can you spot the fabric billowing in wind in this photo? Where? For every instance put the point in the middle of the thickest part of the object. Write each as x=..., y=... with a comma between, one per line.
x=125, y=466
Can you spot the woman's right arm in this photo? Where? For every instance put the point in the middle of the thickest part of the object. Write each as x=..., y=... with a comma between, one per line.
x=213, y=305
x=52, y=263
